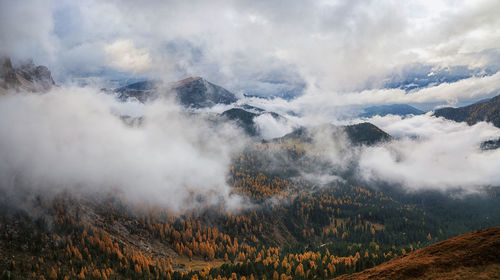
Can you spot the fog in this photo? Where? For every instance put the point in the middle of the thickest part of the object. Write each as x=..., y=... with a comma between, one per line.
x=433, y=153
x=72, y=139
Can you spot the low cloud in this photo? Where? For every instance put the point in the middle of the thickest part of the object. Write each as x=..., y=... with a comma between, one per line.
x=269, y=127
x=70, y=139
x=432, y=153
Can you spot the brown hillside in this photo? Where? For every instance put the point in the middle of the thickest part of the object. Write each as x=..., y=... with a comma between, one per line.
x=474, y=255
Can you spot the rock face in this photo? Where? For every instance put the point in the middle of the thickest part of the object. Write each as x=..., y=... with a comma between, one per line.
x=488, y=110
x=470, y=256
x=27, y=77
x=193, y=92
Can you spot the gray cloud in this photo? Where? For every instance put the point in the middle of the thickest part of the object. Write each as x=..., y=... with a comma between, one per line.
x=329, y=47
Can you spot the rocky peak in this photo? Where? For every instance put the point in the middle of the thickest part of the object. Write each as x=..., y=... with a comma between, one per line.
x=27, y=77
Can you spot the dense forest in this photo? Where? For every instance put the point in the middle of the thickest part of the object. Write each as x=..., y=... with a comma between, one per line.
x=293, y=229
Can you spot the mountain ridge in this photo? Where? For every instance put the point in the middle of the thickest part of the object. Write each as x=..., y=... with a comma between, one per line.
x=364, y=133
x=488, y=110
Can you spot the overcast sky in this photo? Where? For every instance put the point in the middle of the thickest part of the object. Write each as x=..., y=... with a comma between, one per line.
x=325, y=49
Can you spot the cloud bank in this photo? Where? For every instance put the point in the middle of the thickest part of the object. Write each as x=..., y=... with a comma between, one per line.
x=432, y=153
x=69, y=139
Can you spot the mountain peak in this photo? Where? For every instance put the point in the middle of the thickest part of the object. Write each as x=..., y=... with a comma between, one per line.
x=392, y=109
x=185, y=81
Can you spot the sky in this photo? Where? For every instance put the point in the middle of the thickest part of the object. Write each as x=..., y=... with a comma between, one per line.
x=333, y=51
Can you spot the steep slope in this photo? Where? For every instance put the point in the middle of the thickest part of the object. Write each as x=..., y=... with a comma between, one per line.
x=27, y=77
x=194, y=92
x=394, y=109
x=469, y=256
x=482, y=111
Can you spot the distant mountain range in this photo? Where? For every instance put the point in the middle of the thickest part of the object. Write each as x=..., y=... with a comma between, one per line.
x=193, y=92
x=196, y=93
x=469, y=256
x=27, y=77
x=394, y=109
x=420, y=76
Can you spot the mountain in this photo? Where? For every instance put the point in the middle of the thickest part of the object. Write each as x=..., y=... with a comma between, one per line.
x=359, y=134
x=366, y=133
x=26, y=77
x=245, y=115
x=197, y=92
x=488, y=110
x=193, y=92
x=469, y=256
x=394, y=109
x=243, y=118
